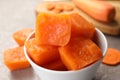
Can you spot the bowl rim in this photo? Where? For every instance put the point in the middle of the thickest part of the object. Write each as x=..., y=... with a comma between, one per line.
x=55, y=71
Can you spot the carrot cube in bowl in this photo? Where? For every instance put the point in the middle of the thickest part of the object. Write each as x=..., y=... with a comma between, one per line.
x=53, y=29
x=79, y=53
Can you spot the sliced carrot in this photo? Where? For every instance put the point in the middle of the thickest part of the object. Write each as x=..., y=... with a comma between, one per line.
x=97, y=9
x=21, y=35
x=58, y=8
x=67, y=7
x=81, y=27
x=41, y=54
x=112, y=57
x=55, y=65
x=53, y=29
x=50, y=6
x=15, y=59
x=79, y=53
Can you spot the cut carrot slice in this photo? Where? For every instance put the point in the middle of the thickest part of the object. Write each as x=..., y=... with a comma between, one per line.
x=41, y=54
x=58, y=8
x=79, y=53
x=53, y=29
x=81, y=27
x=112, y=57
x=55, y=65
x=21, y=35
x=50, y=6
x=68, y=7
x=15, y=59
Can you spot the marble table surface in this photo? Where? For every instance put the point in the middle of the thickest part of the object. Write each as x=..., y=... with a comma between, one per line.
x=17, y=14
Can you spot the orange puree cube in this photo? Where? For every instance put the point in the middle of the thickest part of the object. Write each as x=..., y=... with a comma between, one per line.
x=81, y=27
x=15, y=59
x=53, y=29
x=55, y=65
x=79, y=53
x=21, y=35
x=41, y=54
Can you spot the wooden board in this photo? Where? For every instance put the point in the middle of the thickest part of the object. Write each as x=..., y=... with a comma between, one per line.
x=112, y=28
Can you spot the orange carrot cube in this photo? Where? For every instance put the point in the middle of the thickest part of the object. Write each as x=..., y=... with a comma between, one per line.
x=81, y=27
x=55, y=65
x=79, y=53
x=21, y=35
x=15, y=59
x=53, y=29
x=41, y=54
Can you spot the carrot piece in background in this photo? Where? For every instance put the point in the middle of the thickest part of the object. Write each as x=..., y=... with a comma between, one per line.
x=79, y=53
x=112, y=57
x=58, y=8
x=81, y=27
x=55, y=65
x=50, y=6
x=41, y=54
x=97, y=9
x=53, y=29
x=68, y=7
x=21, y=35
x=15, y=59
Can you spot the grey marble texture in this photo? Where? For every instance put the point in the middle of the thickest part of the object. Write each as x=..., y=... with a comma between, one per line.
x=17, y=14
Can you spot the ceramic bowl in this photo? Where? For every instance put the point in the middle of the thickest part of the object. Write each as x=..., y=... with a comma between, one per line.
x=86, y=73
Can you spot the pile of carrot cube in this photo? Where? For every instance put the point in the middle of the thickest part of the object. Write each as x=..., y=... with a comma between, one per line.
x=14, y=58
x=61, y=42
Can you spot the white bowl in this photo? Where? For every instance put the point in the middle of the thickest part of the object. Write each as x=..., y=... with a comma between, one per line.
x=86, y=73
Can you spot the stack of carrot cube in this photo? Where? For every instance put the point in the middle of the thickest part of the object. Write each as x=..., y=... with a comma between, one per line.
x=61, y=42
x=14, y=58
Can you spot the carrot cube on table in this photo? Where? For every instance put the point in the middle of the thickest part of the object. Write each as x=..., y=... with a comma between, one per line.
x=15, y=59
x=21, y=35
